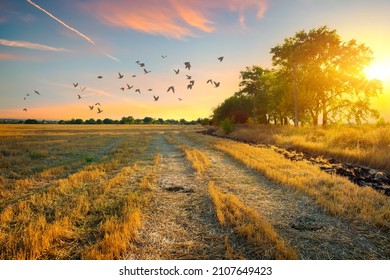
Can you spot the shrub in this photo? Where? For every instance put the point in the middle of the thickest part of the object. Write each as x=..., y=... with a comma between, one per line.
x=227, y=125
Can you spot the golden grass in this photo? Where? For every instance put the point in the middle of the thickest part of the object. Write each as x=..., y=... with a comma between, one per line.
x=367, y=145
x=199, y=160
x=89, y=209
x=334, y=193
x=250, y=224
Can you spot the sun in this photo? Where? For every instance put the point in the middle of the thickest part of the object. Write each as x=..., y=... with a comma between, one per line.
x=378, y=70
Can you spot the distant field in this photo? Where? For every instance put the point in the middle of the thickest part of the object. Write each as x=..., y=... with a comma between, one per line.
x=166, y=192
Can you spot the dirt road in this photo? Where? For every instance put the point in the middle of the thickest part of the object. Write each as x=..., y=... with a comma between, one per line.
x=181, y=223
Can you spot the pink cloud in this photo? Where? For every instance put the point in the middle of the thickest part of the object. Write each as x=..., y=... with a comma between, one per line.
x=171, y=18
x=8, y=56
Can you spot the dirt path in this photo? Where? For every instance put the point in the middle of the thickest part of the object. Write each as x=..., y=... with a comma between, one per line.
x=302, y=223
x=179, y=223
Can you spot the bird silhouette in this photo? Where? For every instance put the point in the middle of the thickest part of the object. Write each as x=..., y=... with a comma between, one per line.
x=99, y=77
x=120, y=76
x=27, y=94
x=99, y=110
x=150, y=89
x=25, y=109
x=141, y=64
x=188, y=65
x=37, y=92
x=122, y=88
x=91, y=107
x=134, y=76
x=188, y=77
x=171, y=88
x=176, y=71
x=220, y=58
x=138, y=90
x=75, y=84
x=163, y=56
x=180, y=99
x=146, y=71
x=97, y=104
x=216, y=84
x=82, y=88
x=210, y=81
x=79, y=96
x=129, y=87
x=189, y=86
x=156, y=97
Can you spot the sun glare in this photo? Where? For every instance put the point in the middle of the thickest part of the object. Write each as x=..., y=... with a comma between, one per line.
x=379, y=70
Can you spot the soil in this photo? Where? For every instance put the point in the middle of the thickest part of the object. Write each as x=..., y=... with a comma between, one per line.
x=180, y=222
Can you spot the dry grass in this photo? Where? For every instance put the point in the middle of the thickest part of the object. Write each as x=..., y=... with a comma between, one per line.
x=250, y=224
x=199, y=160
x=91, y=212
x=367, y=145
x=334, y=193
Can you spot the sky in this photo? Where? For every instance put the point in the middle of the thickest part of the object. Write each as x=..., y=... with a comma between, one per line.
x=60, y=48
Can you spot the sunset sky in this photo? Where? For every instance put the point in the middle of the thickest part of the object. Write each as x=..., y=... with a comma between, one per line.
x=48, y=45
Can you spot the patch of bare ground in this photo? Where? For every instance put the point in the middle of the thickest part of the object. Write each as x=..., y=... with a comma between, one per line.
x=303, y=225
x=179, y=222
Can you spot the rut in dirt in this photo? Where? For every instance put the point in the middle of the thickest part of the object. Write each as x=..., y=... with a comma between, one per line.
x=304, y=225
x=179, y=222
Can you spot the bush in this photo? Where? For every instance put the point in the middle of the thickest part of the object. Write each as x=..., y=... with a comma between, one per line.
x=227, y=125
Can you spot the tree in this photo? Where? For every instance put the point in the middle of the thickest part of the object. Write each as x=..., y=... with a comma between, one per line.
x=237, y=108
x=327, y=75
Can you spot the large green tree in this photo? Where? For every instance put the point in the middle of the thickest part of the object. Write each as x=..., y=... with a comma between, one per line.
x=327, y=75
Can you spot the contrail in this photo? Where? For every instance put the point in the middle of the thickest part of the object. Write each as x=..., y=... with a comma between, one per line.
x=71, y=28
x=29, y=45
x=63, y=23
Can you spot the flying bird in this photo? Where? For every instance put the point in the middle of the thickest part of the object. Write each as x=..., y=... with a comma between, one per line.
x=97, y=104
x=91, y=107
x=79, y=96
x=189, y=86
x=141, y=64
x=188, y=77
x=129, y=87
x=37, y=92
x=134, y=76
x=220, y=58
x=82, y=88
x=176, y=71
x=216, y=84
x=171, y=88
x=188, y=65
x=120, y=76
x=138, y=90
x=150, y=89
x=75, y=84
x=25, y=109
x=122, y=88
x=146, y=71
x=163, y=56
x=210, y=81
x=99, y=110
x=99, y=77
x=180, y=99
x=156, y=97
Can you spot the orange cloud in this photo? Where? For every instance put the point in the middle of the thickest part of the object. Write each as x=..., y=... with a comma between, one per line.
x=29, y=45
x=170, y=18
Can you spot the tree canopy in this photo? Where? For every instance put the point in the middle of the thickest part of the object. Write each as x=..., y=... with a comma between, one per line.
x=317, y=77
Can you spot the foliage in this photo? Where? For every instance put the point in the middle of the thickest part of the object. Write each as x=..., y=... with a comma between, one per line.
x=235, y=107
x=228, y=125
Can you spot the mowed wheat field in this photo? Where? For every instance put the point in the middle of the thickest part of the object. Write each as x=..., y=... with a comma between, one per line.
x=151, y=192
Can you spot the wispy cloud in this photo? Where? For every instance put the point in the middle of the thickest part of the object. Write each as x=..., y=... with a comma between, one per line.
x=171, y=18
x=89, y=39
x=30, y=45
x=61, y=22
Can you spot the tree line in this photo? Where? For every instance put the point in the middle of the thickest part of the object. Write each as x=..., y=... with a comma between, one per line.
x=123, y=120
x=316, y=78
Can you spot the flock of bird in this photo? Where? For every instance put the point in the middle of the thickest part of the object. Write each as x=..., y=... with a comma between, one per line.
x=171, y=88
